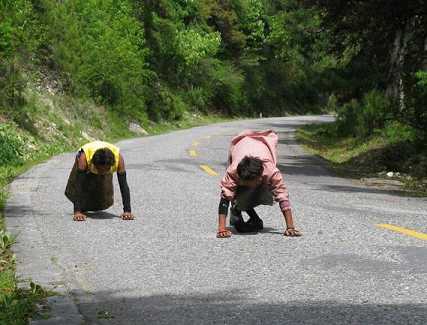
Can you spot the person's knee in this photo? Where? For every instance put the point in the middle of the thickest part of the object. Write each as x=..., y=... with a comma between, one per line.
x=235, y=217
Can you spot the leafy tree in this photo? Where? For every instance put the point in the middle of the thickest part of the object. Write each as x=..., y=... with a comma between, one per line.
x=387, y=48
x=98, y=46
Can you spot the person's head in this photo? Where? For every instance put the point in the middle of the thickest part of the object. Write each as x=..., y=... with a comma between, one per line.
x=250, y=171
x=103, y=159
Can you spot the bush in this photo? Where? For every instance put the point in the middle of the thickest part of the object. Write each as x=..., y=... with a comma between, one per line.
x=172, y=105
x=219, y=85
x=347, y=118
x=227, y=88
x=12, y=85
x=198, y=99
x=362, y=120
x=415, y=113
x=397, y=132
x=376, y=110
x=11, y=146
x=165, y=105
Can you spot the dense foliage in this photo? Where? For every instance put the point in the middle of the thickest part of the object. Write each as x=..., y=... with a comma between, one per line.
x=157, y=59
x=384, y=47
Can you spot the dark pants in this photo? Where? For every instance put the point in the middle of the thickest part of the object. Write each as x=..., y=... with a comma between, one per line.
x=95, y=194
x=246, y=200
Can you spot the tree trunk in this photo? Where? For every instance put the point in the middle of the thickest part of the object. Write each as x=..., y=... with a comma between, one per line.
x=425, y=54
x=396, y=89
x=394, y=74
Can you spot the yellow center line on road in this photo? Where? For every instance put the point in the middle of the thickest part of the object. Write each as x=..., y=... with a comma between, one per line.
x=404, y=231
x=208, y=170
x=193, y=153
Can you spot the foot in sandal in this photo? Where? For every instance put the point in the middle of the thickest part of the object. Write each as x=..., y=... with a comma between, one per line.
x=79, y=216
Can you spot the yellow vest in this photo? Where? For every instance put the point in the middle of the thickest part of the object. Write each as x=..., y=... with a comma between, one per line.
x=90, y=149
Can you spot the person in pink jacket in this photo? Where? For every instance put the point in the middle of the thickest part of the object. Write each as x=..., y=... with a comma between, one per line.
x=252, y=178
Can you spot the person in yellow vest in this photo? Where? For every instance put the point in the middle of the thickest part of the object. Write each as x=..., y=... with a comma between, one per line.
x=90, y=185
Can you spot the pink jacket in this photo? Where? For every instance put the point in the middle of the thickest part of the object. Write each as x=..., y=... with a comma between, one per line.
x=261, y=144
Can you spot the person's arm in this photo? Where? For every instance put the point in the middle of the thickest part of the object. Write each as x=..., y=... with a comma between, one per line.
x=290, y=228
x=81, y=171
x=228, y=188
x=281, y=195
x=124, y=190
x=223, y=232
x=229, y=185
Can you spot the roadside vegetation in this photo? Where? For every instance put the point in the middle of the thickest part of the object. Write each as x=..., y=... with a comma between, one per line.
x=389, y=153
x=380, y=95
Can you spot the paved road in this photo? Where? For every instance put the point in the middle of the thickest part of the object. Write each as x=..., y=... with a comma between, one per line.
x=167, y=267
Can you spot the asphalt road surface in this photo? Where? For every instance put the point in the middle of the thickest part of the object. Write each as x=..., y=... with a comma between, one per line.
x=167, y=266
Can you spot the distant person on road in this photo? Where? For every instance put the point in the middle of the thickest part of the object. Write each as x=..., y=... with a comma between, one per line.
x=252, y=178
x=90, y=185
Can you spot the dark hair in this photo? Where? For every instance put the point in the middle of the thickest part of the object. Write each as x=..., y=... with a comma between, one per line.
x=250, y=168
x=103, y=157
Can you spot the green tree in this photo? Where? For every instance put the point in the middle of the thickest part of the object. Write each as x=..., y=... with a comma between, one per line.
x=99, y=48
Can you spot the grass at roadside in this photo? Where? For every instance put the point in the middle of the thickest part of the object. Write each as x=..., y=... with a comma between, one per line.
x=17, y=303
x=368, y=158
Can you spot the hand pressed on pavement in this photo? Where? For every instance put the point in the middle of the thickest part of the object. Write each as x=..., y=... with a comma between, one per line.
x=127, y=216
x=292, y=232
x=223, y=233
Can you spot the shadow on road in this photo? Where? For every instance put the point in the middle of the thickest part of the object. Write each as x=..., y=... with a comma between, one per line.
x=277, y=126
x=266, y=230
x=101, y=215
x=360, y=189
x=288, y=141
x=16, y=211
x=232, y=307
x=414, y=261
x=303, y=165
